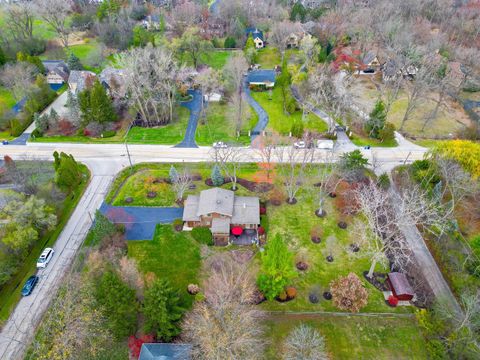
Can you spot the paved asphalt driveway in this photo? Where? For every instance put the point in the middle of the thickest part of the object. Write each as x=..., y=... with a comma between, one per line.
x=262, y=114
x=140, y=222
x=195, y=106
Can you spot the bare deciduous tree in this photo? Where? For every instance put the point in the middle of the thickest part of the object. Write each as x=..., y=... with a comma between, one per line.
x=229, y=159
x=234, y=72
x=181, y=183
x=305, y=343
x=150, y=80
x=18, y=77
x=225, y=325
x=56, y=13
x=19, y=20
x=294, y=165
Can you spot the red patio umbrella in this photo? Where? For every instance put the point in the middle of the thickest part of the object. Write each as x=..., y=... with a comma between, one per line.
x=237, y=230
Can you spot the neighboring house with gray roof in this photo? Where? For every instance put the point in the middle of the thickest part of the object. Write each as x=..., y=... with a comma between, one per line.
x=80, y=79
x=220, y=210
x=113, y=80
x=57, y=71
x=161, y=351
x=264, y=78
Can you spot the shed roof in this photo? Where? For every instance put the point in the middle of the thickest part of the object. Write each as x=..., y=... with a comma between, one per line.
x=261, y=76
x=161, y=351
x=400, y=283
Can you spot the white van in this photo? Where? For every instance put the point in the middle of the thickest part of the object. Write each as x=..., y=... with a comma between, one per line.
x=325, y=144
x=45, y=258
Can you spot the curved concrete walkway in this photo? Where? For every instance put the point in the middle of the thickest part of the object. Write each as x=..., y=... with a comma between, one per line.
x=195, y=106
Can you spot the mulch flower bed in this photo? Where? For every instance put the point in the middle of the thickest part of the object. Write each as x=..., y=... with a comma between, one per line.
x=261, y=187
x=178, y=227
x=354, y=248
x=329, y=258
x=301, y=265
x=327, y=295
x=320, y=214
x=333, y=195
x=161, y=181
x=379, y=280
x=313, y=298
x=180, y=202
x=316, y=239
x=258, y=297
x=291, y=201
x=128, y=200
x=342, y=224
x=317, y=184
x=151, y=194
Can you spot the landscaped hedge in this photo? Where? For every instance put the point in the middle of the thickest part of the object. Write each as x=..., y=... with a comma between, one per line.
x=203, y=235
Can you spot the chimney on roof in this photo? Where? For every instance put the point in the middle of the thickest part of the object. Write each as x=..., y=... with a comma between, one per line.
x=244, y=205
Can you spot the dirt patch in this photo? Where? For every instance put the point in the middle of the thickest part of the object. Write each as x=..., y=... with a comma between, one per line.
x=252, y=186
x=379, y=280
x=242, y=256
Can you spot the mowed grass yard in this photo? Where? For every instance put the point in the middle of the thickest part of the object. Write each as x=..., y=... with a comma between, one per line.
x=171, y=255
x=217, y=126
x=268, y=57
x=279, y=121
x=450, y=119
x=352, y=337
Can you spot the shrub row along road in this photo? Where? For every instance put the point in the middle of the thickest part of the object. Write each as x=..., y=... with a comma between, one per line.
x=104, y=162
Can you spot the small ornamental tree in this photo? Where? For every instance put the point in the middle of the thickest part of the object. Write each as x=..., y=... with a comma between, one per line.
x=305, y=343
x=173, y=174
x=348, y=293
x=162, y=310
x=276, y=269
x=217, y=178
x=74, y=63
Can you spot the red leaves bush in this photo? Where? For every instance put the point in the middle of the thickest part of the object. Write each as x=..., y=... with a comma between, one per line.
x=263, y=210
x=261, y=230
x=65, y=127
x=392, y=301
x=135, y=344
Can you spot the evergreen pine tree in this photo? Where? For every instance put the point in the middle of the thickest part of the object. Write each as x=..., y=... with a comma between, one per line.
x=250, y=50
x=3, y=59
x=101, y=104
x=53, y=118
x=376, y=121
x=217, y=178
x=173, y=174
x=67, y=172
x=283, y=81
x=162, y=310
x=74, y=63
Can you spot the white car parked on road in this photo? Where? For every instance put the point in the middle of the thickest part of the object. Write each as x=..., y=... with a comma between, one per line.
x=219, y=145
x=45, y=258
x=299, y=145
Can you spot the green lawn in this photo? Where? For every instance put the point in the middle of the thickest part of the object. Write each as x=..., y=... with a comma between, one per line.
x=214, y=58
x=294, y=223
x=353, y=337
x=281, y=122
x=169, y=134
x=171, y=255
x=6, y=98
x=219, y=126
x=268, y=57
x=363, y=141
x=10, y=292
x=137, y=185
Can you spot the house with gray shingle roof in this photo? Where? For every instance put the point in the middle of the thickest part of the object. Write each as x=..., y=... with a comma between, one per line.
x=57, y=71
x=79, y=79
x=220, y=210
x=264, y=78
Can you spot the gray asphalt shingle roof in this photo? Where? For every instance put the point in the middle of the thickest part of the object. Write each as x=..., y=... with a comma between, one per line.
x=216, y=200
x=261, y=76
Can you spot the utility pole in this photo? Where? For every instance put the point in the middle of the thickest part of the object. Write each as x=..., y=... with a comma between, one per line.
x=126, y=146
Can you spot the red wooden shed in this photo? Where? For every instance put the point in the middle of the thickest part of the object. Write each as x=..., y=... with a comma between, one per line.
x=400, y=286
